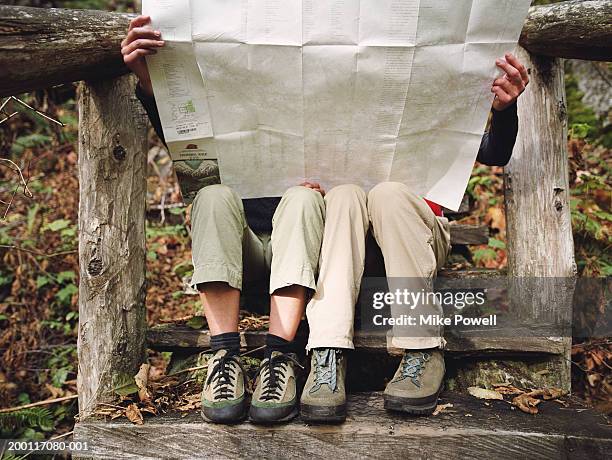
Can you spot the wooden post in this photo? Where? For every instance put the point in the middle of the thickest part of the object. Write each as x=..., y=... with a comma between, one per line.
x=112, y=177
x=541, y=265
x=539, y=226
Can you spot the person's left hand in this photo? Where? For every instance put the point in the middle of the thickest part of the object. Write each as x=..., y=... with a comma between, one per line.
x=510, y=86
x=314, y=186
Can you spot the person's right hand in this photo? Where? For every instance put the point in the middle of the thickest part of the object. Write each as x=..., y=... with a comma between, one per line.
x=314, y=186
x=141, y=40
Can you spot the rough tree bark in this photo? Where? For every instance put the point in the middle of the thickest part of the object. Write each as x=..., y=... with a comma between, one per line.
x=576, y=29
x=43, y=47
x=112, y=177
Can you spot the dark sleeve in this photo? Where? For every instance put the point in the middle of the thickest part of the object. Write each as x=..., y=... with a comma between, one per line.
x=497, y=144
x=148, y=102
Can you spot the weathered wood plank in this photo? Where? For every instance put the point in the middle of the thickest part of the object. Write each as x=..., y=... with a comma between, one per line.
x=112, y=177
x=469, y=234
x=41, y=47
x=493, y=431
x=170, y=337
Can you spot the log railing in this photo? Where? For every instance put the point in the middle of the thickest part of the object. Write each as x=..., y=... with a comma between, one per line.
x=43, y=47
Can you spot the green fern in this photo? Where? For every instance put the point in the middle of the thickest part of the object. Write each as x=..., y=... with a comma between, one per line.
x=35, y=417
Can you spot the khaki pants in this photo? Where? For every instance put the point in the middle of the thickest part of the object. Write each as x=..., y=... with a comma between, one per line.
x=225, y=249
x=414, y=243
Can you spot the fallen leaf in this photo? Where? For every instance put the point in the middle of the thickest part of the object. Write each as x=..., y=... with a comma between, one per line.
x=55, y=392
x=593, y=379
x=495, y=218
x=134, y=415
x=141, y=379
x=441, y=408
x=547, y=393
x=117, y=414
x=508, y=389
x=560, y=401
x=483, y=393
x=526, y=403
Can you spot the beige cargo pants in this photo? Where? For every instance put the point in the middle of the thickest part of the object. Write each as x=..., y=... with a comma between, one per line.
x=415, y=243
x=225, y=249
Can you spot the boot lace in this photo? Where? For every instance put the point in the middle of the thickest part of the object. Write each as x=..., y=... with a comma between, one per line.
x=412, y=366
x=274, y=373
x=325, y=366
x=223, y=376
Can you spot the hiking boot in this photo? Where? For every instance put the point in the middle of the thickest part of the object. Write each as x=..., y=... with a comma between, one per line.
x=224, y=398
x=275, y=397
x=324, y=397
x=417, y=383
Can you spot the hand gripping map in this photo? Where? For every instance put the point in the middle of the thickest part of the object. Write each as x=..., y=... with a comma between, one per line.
x=333, y=91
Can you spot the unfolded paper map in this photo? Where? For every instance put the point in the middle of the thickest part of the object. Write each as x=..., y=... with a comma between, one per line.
x=276, y=92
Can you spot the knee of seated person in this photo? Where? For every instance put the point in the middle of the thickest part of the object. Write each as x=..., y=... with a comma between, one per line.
x=389, y=192
x=216, y=194
x=345, y=192
x=303, y=196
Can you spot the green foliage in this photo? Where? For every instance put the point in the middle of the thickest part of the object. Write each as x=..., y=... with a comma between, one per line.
x=29, y=141
x=591, y=215
x=496, y=244
x=27, y=423
x=61, y=364
x=583, y=121
x=484, y=255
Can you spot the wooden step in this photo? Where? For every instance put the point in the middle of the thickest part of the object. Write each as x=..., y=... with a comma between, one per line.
x=171, y=337
x=468, y=429
x=478, y=342
x=468, y=234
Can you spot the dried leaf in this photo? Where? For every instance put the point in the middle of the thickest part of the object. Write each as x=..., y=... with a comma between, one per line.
x=547, y=393
x=495, y=218
x=593, y=379
x=117, y=414
x=441, y=408
x=134, y=415
x=142, y=379
x=483, y=393
x=55, y=392
x=526, y=403
x=508, y=389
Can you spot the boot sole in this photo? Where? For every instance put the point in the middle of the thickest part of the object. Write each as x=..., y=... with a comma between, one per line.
x=406, y=405
x=265, y=416
x=225, y=415
x=323, y=414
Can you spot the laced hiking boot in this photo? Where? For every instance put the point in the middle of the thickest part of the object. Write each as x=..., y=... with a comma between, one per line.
x=417, y=383
x=324, y=396
x=275, y=397
x=224, y=398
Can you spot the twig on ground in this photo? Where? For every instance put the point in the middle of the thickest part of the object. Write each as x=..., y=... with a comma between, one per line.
x=38, y=403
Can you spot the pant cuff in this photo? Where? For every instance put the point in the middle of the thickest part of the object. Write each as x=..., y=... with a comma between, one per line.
x=416, y=343
x=330, y=343
x=302, y=277
x=218, y=272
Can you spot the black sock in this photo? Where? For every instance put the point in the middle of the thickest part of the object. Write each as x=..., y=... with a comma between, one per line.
x=276, y=343
x=229, y=341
